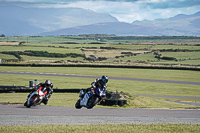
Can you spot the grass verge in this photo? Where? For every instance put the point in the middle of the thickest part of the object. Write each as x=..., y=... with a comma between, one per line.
x=69, y=100
x=180, y=75
x=104, y=128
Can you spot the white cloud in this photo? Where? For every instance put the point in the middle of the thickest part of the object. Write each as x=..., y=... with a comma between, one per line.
x=132, y=11
x=123, y=10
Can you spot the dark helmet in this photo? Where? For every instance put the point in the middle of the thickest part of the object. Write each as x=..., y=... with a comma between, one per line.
x=104, y=79
x=47, y=83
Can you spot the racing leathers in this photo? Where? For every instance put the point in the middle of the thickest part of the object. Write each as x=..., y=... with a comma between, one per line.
x=49, y=91
x=99, y=83
x=94, y=85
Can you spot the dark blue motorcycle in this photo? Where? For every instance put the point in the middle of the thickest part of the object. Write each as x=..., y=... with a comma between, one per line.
x=90, y=98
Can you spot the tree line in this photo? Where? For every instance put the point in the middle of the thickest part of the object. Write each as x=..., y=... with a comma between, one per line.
x=42, y=54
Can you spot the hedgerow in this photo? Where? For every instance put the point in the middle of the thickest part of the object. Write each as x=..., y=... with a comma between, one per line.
x=42, y=54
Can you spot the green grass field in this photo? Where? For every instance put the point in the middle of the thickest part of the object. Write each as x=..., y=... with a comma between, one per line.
x=130, y=46
x=71, y=98
x=111, y=39
x=181, y=75
x=187, y=58
x=49, y=49
x=188, y=47
x=185, y=62
x=131, y=87
x=65, y=45
x=105, y=128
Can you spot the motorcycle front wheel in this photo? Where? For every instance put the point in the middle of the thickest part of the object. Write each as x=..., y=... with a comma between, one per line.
x=33, y=101
x=92, y=102
x=77, y=105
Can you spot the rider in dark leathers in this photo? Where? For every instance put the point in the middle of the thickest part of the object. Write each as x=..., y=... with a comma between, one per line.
x=49, y=87
x=96, y=84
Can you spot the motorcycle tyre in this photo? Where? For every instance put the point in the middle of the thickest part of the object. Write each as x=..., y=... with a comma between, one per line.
x=25, y=103
x=77, y=105
x=94, y=101
x=31, y=103
x=28, y=106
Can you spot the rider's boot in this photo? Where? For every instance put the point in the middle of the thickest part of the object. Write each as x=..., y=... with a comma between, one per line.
x=45, y=100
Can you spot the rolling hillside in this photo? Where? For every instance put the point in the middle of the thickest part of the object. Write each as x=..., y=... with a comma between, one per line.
x=180, y=25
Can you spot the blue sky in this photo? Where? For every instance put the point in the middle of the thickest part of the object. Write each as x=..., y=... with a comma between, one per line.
x=123, y=10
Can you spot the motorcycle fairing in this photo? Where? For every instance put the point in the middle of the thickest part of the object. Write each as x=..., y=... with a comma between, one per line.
x=37, y=92
x=83, y=102
x=100, y=92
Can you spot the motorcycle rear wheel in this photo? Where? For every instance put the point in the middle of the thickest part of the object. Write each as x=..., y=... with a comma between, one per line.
x=92, y=102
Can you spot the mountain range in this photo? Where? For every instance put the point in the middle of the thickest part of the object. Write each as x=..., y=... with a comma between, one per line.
x=77, y=21
x=32, y=21
x=180, y=24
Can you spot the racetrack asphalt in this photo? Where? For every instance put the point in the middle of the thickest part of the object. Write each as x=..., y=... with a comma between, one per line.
x=40, y=115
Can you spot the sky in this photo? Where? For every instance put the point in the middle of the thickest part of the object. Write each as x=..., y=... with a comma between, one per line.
x=124, y=10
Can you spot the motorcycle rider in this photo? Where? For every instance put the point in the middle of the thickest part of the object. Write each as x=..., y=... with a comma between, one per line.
x=49, y=87
x=100, y=82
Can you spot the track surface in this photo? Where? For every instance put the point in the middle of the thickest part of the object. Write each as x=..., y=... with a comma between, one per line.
x=20, y=115
x=94, y=77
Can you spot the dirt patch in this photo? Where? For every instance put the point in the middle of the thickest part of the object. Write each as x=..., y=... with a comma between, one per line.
x=9, y=43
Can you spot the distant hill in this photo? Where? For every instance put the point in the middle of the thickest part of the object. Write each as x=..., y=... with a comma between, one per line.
x=180, y=25
x=117, y=28
x=75, y=21
x=32, y=21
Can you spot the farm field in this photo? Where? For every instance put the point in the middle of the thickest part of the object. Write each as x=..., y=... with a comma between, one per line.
x=102, y=50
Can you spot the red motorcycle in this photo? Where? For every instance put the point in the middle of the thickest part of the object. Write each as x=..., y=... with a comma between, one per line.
x=36, y=97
